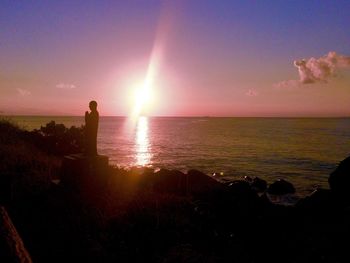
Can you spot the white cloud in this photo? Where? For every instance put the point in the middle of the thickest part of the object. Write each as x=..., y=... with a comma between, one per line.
x=23, y=92
x=251, y=93
x=65, y=86
x=314, y=70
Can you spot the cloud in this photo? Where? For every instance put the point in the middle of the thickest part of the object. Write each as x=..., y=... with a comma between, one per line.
x=251, y=93
x=292, y=83
x=65, y=86
x=23, y=92
x=315, y=70
x=320, y=70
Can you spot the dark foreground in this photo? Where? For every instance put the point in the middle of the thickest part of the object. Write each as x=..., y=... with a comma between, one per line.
x=166, y=216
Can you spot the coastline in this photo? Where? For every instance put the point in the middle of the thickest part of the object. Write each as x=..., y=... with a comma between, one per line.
x=154, y=216
x=109, y=214
x=302, y=151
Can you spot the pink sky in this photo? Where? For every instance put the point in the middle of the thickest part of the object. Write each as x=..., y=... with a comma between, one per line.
x=227, y=59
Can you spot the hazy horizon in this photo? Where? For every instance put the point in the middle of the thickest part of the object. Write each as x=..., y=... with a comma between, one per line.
x=181, y=116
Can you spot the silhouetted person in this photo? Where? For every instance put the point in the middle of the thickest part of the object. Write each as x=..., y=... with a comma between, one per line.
x=91, y=126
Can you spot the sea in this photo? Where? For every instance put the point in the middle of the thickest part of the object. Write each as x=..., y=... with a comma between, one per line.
x=303, y=151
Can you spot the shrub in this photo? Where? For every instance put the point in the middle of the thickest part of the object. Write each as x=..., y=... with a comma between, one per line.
x=57, y=139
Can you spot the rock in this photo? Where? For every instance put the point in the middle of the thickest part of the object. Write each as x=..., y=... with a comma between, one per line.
x=265, y=200
x=240, y=187
x=141, y=170
x=194, y=182
x=258, y=184
x=79, y=170
x=243, y=195
x=248, y=179
x=199, y=182
x=281, y=187
x=339, y=179
x=320, y=200
x=169, y=181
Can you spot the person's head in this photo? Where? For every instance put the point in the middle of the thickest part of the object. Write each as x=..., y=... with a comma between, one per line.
x=93, y=105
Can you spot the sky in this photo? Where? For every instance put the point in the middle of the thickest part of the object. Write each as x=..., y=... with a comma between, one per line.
x=198, y=57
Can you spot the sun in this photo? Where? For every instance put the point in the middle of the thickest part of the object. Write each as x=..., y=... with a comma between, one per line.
x=143, y=94
x=143, y=98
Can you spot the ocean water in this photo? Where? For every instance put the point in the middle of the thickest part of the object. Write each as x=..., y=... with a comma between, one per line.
x=302, y=150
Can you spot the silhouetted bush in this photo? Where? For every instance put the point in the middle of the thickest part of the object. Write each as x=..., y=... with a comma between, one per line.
x=24, y=168
x=57, y=139
x=29, y=158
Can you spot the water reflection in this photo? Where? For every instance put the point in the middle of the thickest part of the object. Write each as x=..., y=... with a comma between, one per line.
x=143, y=153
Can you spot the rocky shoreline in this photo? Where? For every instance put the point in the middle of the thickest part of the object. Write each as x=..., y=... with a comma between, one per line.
x=102, y=213
x=170, y=216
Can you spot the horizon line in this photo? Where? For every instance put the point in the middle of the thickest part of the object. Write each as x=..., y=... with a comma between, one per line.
x=180, y=116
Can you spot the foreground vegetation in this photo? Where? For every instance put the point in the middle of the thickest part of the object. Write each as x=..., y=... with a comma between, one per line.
x=166, y=216
x=31, y=159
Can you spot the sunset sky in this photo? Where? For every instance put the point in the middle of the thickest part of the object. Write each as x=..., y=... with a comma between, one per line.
x=202, y=58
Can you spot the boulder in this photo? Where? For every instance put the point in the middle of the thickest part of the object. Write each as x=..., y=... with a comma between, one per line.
x=194, y=182
x=265, y=200
x=243, y=195
x=248, y=179
x=281, y=187
x=79, y=170
x=339, y=180
x=320, y=200
x=240, y=187
x=199, y=182
x=259, y=185
x=169, y=181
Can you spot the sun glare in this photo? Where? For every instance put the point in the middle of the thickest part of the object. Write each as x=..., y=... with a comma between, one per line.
x=143, y=154
x=142, y=100
x=144, y=93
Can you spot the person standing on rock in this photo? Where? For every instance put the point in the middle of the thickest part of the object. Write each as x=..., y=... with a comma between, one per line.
x=91, y=127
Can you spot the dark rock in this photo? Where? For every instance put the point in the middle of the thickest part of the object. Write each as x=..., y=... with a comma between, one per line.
x=141, y=170
x=339, y=180
x=258, y=184
x=199, y=182
x=248, y=179
x=194, y=182
x=281, y=187
x=265, y=200
x=240, y=187
x=243, y=194
x=321, y=200
x=169, y=181
x=80, y=171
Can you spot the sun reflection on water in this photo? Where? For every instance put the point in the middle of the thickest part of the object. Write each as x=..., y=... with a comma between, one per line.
x=143, y=153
